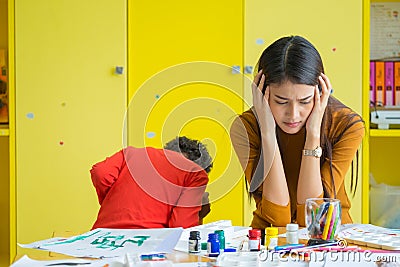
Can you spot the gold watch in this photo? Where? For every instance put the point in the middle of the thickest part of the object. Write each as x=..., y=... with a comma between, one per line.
x=316, y=152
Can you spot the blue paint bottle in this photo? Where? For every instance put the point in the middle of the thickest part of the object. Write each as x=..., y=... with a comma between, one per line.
x=213, y=243
x=221, y=238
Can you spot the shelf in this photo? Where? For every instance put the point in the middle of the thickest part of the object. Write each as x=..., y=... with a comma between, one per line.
x=384, y=133
x=4, y=131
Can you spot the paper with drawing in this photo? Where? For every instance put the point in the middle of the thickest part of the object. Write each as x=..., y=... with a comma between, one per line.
x=103, y=243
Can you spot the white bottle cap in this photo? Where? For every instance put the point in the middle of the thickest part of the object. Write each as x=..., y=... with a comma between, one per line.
x=292, y=227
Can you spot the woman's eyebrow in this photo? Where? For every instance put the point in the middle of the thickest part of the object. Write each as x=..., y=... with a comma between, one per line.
x=306, y=98
x=281, y=97
x=301, y=99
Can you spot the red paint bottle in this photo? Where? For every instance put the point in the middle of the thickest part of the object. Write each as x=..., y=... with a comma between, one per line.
x=255, y=240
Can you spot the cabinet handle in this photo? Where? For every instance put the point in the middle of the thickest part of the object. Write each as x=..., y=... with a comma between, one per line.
x=248, y=69
x=119, y=70
x=235, y=69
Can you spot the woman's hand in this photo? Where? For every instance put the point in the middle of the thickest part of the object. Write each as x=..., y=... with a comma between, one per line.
x=260, y=102
x=314, y=121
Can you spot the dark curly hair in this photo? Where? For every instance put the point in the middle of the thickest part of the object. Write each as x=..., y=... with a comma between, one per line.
x=193, y=150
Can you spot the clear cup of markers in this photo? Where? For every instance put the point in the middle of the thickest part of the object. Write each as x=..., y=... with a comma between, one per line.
x=323, y=218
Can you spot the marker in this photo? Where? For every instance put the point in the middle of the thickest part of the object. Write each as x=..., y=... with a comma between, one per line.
x=321, y=211
x=289, y=247
x=307, y=248
x=338, y=248
x=335, y=225
x=153, y=257
x=331, y=223
x=68, y=263
x=327, y=222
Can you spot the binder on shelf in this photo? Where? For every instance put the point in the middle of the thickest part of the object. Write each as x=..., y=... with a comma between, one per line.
x=397, y=82
x=3, y=65
x=3, y=87
x=380, y=83
x=389, y=83
x=372, y=82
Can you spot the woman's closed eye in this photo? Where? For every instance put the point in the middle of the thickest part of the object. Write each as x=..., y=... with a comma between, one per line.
x=281, y=102
x=285, y=102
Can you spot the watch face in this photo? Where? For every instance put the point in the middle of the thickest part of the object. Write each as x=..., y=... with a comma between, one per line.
x=318, y=152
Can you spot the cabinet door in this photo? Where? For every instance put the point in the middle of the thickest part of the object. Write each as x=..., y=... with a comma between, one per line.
x=182, y=82
x=339, y=42
x=4, y=156
x=69, y=108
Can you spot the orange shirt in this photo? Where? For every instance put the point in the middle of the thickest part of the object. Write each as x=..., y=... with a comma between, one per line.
x=246, y=139
x=148, y=188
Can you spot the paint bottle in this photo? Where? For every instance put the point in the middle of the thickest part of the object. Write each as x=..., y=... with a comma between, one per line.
x=221, y=238
x=194, y=242
x=213, y=244
x=271, y=237
x=292, y=235
x=254, y=240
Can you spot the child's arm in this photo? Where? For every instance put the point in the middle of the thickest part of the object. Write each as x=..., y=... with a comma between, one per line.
x=105, y=173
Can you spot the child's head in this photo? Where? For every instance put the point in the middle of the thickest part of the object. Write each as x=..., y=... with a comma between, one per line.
x=193, y=150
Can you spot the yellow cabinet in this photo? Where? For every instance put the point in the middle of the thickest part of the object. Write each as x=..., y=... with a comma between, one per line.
x=7, y=198
x=185, y=78
x=70, y=105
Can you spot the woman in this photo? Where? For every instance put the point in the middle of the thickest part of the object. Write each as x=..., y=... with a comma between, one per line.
x=297, y=141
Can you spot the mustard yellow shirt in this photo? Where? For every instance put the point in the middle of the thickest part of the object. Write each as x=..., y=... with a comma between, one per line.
x=246, y=139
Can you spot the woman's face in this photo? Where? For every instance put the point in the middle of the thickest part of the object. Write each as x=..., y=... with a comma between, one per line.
x=291, y=104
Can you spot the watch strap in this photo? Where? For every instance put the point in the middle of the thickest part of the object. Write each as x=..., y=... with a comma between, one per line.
x=316, y=152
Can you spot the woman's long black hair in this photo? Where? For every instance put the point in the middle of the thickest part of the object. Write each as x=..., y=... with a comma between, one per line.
x=295, y=59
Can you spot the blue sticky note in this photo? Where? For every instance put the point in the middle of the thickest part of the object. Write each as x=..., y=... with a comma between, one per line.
x=30, y=115
x=150, y=134
x=260, y=41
